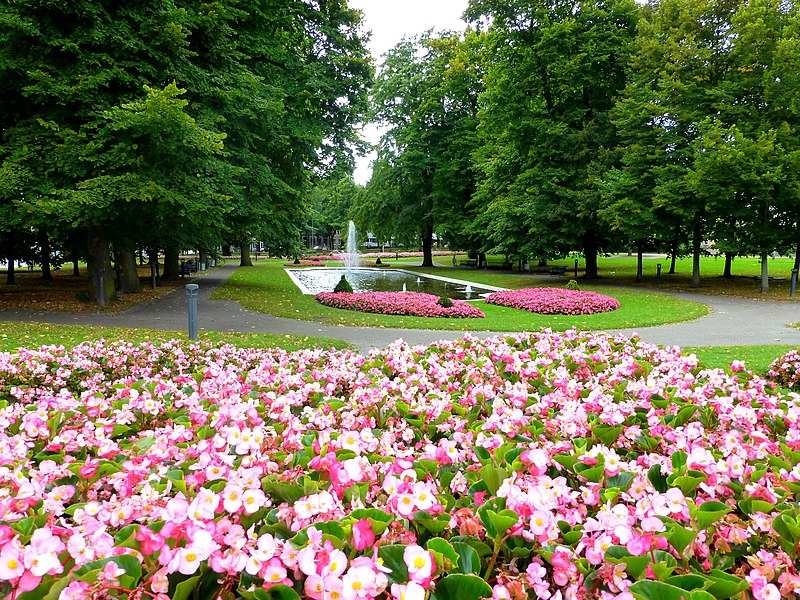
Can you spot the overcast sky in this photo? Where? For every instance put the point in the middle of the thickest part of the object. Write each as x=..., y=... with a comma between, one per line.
x=389, y=21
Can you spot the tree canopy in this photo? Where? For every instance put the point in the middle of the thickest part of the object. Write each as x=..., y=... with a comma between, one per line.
x=172, y=125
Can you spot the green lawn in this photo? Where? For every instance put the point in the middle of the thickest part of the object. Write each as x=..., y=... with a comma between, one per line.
x=621, y=269
x=267, y=288
x=30, y=335
x=756, y=358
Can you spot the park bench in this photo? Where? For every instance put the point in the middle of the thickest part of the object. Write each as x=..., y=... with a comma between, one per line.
x=469, y=263
x=187, y=267
x=557, y=270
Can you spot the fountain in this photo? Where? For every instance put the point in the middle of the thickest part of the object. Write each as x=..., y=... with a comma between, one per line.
x=419, y=280
x=352, y=259
x=404, y=287
x=468, y=291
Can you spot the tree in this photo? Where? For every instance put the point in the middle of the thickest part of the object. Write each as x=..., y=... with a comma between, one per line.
x=283, y=82
x=554, y=72
x=426, y=94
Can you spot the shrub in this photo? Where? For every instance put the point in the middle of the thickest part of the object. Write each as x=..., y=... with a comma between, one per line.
x=378, y=260
x=444, y=302
x=573, y=285
x=343, y=286
x=554, y=301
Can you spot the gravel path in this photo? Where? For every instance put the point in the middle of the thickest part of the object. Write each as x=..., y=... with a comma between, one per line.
x=733, y=321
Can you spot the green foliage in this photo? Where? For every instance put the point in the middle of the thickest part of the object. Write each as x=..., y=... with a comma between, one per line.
x=343, y=286
x=572, y=285
x=553, y=74
x=444, y=302
x=174, y=126
x=422, y=183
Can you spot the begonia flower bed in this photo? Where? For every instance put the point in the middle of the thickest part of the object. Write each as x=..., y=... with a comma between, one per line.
x=418, y=304
x=382, y=255
x=785, y=370
x=548, y=465
x=554, y=301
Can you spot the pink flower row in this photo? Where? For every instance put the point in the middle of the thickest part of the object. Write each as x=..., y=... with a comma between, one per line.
x=381, y=255
x=554, y=301
x=545, y=465
x=416, y=304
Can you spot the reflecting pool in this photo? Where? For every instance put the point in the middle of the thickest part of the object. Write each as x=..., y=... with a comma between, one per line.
x=313, y=281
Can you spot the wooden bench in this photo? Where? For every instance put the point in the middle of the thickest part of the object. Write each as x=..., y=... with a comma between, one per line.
x=468, y=263
x=557, y=270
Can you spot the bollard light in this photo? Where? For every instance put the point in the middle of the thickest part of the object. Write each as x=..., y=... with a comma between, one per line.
x=576, y=269
x=191, y=295
x=658, y=273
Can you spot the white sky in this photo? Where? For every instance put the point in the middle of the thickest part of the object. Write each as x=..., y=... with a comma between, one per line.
x=389, y=21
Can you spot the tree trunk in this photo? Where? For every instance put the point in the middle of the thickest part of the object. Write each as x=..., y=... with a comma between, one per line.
x=128, y=271
x=44, y=244
x=639, y=260
x=673, y=257
x=797, y=253
x=101, y=276
x=171, y=270
x=76, y=269
x=728, y=264
x=11, y=278
x=226, y=250
x=245, y=259
x=427, y=243
x=203, y=259
x=590, y=254
x=764, y=273
x=697, y=235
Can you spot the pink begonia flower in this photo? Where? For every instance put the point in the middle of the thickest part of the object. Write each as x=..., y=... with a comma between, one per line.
x=11, y=565
x=274, y=572
x=314, y=587
x=653, y=524
x=420, y=563
x=159, y=583
x=76, y=590
x=253, y=500
x=358, y=582
x=363, y=535
x=232, y=498
x=411, y=591
x=110, y=573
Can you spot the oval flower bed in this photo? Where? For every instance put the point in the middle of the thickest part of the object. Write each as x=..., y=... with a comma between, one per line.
x=550, y=465
x=554, y=301
x=416, y=304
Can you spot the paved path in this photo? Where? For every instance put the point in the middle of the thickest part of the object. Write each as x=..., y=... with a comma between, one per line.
x=733, y=321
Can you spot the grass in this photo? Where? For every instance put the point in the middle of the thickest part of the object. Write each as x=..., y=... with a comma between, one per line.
x=266, y=288
x=31, y=335
x=744, y=283
x=756, y=358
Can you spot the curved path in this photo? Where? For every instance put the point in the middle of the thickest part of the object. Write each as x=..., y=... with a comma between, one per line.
x=733, y=321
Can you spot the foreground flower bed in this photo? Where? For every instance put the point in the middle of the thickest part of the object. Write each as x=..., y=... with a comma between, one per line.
x=554, y=465
x=416, y=304
x=554, y=301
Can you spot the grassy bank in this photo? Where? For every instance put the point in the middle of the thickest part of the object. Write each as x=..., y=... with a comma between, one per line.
x=267, y=288
x=30, y=335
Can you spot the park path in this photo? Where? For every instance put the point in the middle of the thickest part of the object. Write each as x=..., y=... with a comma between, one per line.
x=733, y=321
